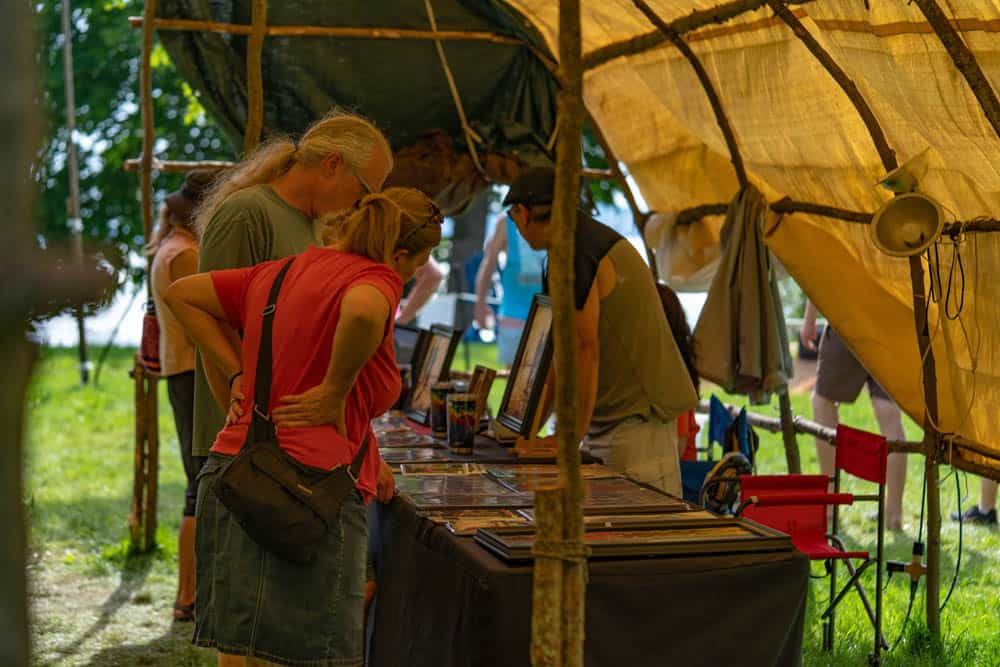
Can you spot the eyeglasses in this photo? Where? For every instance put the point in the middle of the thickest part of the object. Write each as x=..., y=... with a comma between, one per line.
x=436, y=218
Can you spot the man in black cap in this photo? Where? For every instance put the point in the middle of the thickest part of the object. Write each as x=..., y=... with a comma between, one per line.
x=633, y=382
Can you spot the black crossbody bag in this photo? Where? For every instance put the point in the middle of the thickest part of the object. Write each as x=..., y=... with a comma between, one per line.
x=285, y=506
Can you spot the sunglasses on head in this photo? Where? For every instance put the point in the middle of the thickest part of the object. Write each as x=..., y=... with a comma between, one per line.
x=436, y=218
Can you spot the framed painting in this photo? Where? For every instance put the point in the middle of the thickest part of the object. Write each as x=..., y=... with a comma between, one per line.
x=433, y=366
x=525, y=386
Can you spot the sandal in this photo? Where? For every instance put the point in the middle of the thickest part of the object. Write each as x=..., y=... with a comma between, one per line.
x=183, y=613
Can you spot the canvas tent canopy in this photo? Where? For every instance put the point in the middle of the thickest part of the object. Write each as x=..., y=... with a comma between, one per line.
x=798, y=134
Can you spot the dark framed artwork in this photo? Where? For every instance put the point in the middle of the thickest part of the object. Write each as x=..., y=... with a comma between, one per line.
x=531, y=367
x=408, y=342
x=433, y=366
x=669, y=538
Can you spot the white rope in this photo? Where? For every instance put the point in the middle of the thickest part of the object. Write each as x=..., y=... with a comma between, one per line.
x=471, y=138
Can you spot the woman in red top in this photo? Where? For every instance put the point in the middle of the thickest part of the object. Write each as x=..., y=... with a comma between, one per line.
x=332, y=351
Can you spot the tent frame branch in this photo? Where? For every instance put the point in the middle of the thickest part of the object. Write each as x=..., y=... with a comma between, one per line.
x=964, y=60
x=706, y=82
x=685, y=24
x=187, y=25
x=887, y=155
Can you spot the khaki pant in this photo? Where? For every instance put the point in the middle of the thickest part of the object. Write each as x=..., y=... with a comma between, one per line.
x=645, y=450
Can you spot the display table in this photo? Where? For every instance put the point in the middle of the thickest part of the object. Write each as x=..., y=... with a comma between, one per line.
x=443, y=601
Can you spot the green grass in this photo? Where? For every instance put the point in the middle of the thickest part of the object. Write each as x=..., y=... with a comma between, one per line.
x=94, y=603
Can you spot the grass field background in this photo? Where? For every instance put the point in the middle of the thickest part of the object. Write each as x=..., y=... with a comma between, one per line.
x=95, y=604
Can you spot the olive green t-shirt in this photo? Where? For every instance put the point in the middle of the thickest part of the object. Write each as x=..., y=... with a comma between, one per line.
x=253, y=225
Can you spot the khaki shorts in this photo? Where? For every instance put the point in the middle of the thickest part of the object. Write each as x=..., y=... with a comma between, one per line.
x=643, y=449
x=839, y=374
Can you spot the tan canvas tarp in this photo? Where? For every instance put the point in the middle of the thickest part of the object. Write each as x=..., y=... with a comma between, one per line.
x=801, y=137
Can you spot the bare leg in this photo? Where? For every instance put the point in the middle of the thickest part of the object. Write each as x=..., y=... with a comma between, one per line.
x=987, y=495
x=185, y=557
x=825, y=413
x=890, y=423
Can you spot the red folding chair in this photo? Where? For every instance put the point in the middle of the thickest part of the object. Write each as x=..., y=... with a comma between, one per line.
x=797, y=505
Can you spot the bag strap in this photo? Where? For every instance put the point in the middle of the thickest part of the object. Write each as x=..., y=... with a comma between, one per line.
x=359, y=459
x=261, y=426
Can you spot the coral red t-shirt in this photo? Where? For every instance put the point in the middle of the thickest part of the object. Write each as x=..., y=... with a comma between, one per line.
x=306, y=316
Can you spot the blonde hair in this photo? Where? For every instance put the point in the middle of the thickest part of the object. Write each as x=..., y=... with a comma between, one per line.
x=166, y=224
x=354, y=138
x=382, y=223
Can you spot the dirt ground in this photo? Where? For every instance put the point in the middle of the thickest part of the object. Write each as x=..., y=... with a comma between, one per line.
x=107, y=620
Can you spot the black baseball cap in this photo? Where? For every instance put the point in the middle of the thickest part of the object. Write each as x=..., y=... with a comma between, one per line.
x=532, y=187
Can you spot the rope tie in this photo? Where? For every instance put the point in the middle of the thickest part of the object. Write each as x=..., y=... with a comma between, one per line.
x=471, y=137
x=569, y=552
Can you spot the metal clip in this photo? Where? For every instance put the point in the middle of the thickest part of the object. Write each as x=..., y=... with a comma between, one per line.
x=350, y=473
x=269, y=310
x=260, y=413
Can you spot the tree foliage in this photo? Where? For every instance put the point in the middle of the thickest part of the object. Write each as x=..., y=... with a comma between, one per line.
x=109, y=129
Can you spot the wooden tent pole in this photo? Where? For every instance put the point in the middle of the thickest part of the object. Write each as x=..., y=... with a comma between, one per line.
x=931, y=439
x=143, y=517
x=73, y=169
x=255, y=76
x=706, y=83
x=547, y=583
x=964, y=60
x=639, y=217
x=19, y=133
x=966, y=63
x=564, y=213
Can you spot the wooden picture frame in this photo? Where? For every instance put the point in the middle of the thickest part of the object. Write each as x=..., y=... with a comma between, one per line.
x=479, y=386
x=434, y=366
x=525, y=386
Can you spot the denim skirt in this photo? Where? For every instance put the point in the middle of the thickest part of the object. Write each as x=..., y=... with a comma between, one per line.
x=252, y=603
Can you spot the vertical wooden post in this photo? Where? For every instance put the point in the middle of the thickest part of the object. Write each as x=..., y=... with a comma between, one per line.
x=19, y=132
x=152, y=459
x=546, y=606
x=136, y=518
x=889, y=162
x=255, y=76
x=788, y=433
x=931, y=441
x=73, y=169
x=564, y=216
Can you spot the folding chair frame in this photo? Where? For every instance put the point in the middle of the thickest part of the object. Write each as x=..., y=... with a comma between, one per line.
x=829, y=615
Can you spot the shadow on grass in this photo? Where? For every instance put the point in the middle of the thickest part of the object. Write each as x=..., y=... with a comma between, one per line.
x=133, y=576
x=172, y=649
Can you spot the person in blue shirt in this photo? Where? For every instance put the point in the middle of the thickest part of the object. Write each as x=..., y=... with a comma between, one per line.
x=520, y=279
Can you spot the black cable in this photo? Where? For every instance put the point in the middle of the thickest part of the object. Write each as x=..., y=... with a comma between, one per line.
x=958, y=561
x=956, y=259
